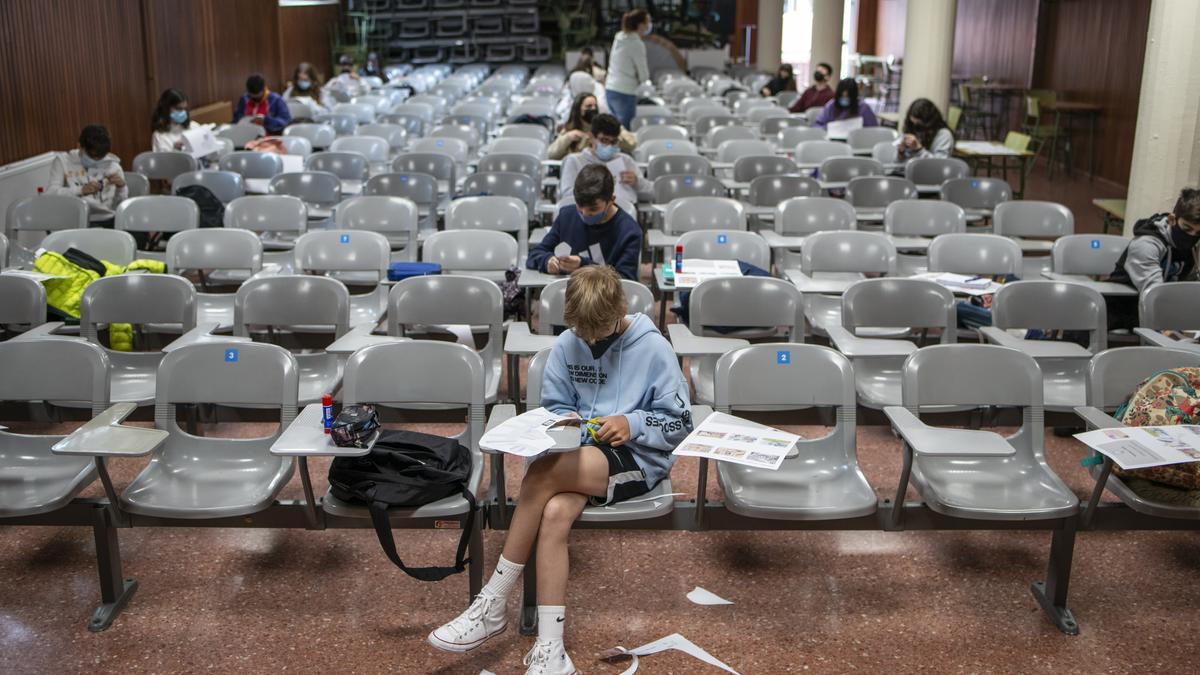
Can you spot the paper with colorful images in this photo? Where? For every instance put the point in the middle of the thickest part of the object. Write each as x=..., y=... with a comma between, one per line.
x=524, y=435
x=963, y=284
x=696, y=270
x=703, y=596
x=731, y=439
x=1142, y=447
x=838, y=130
x=672, y=641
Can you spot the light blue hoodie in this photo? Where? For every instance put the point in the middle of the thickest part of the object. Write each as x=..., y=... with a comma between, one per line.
x=638, y=377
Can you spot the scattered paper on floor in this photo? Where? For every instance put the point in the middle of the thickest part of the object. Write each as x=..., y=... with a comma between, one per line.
x=703, y=596
x=672, y=641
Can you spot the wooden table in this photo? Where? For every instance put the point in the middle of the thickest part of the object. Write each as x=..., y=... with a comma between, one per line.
x=1073, y=109
x=1003, y=152
x=1114, y=213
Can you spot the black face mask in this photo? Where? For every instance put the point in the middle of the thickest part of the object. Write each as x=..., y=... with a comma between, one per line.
x=1183, y=240
x=599, y=347
x=819, y=76
x=588, y=115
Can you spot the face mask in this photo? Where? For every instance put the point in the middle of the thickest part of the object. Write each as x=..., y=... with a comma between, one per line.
x=588, y=115
x=346, y=70
x=843, y=101
x=303, y=85
x=649, y=28
x=819, y=76
x=592, y=221
x=605, y=152
x=1183, y=240
x=599, y=347
x=179, y=116
x=88, y=162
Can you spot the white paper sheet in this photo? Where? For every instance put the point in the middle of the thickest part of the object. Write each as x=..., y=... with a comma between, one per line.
x=30, y=274
x=731, y=439
x=696, y=270
x=837, y=130
x=961, y=283
x=1142, y=447
x=199, y=141
x=524, y=435
x=984, y=148
x=672, y=641
x=562, y=250
x=292, y=163
x=703, y=596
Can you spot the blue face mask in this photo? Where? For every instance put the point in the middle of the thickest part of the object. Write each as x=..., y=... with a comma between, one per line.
x=304, y=85
x=605, y=152
x=597, y=219
x=179, y=116
x=844, y=101
x=87, y=162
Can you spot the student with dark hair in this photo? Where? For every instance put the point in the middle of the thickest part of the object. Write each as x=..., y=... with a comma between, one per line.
x=347, y=82
x=784, y=80
x=819, y=93
x=598, y=232
x=846, y=105
x=627, y=66
x=925, y=133
x=618, y=375
x=306, y=87
x=262, y=106
x=604, y=140
x=169, y=121
x=372, y=67
x=92, y=173
x=587, y=64
x=575, y=135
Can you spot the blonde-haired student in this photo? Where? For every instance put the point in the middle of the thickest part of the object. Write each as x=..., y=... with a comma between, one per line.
x=618, y=370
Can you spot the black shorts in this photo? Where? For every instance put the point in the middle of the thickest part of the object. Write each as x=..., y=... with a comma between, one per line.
x=626, y=479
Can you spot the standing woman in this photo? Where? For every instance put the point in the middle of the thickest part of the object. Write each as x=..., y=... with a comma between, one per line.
x=627, y=65
x=169, y=122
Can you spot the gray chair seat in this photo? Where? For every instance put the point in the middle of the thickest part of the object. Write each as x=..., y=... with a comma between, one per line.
x=826, y=310
x=368, y=307
x=32, y=480
x=320, y=374
x=442, y=508
x=131, y=380
x=877, y=381
x=215, y=308
x=992, y=488
x=803, y=488
x=653, y=504
x=235, y=477
x=1064, y=383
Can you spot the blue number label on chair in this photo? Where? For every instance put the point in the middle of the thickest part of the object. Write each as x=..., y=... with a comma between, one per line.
x=974, y=183
x=403, y=179
x=670, y=145
x=783, y=358
x=439, y=143
x=345, y=239
x=231, y=356
x=722, y=238
x=1095, y=243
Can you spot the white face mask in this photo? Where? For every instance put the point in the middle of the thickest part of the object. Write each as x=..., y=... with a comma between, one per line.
x=649, y=29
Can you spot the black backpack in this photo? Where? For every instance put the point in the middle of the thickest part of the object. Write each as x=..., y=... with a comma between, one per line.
x=406, y=468
x=212, y=211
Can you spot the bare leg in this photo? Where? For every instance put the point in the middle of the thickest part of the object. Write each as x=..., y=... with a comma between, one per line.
x=553, y=559
x=584, y=472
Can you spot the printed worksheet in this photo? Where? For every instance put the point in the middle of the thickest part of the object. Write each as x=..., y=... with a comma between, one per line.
x=732, y=439
x=524, y=435
x=837, y=130
x=695, y=271
x=199, y=141
x=1141, y=447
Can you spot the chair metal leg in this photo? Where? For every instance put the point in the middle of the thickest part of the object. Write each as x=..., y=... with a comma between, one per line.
x=1051, y=594
x=529, y=595
x=115, y=590
x=475, y=553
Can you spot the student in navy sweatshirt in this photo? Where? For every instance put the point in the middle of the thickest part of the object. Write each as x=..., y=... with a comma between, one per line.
x=598, y=232
x=263, y=106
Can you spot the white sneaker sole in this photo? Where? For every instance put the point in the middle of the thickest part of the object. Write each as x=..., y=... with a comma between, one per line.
x=460, y=648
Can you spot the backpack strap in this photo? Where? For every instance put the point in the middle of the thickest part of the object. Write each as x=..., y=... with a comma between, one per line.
x=383, y=530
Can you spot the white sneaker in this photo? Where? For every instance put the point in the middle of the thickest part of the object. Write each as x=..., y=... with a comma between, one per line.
x=485, y=618
x=549, y=658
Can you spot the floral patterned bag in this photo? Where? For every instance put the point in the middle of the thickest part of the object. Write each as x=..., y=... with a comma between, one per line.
x=1167, y=397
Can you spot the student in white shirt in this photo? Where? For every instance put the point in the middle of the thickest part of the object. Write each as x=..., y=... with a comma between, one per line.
x=925, y=133
x=305, y=87
x=170, y=120
x=91, y=173
x=347, y=81
x=604, y=148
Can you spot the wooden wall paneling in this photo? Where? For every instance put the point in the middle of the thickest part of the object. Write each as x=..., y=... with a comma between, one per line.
x=889, y=27
x=746, y=14
x=864, y=29
x=305, y=33
x=996, y=38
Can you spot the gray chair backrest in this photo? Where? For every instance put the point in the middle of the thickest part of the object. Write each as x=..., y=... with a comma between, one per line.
x=1054, y=305
x=651, y=149
x=214, y=249
x=321, y=136
x=1171, y=306
x=241, y=134
x=552, y=303
x=519, y=146
x=731, y=151
x=675, y=186
x=727, y=245
x=313, y=187
x=157, y=213
x=671, y=165
x=225, y=185
x=848, y=251
x=296, y=145
x=535, y=131
x=815, y=152
x=974, y=375
x=771, y=190
x=715, y=119
x=866, y=137
x=923, y=218
x=506, y=214
x=471, y=250
x=362, y=113
x=137, y=299
x=241, y=374
x=373, y=148
x=718, y=135
x=750, y=167
x=343, y=124
x=663, y=132
x=773, y=125
x=843, y=169
x=1028, y=218
x=421, y=188
x=878, y=191
x=527, y=165
x=1090, y=254
x=267, y=213
x=3, y=251
x=440, y=166
x=115, y=246
x=46, y=213
x=288, y=300
x=976, y=193
x=343, y=251
x=431, y=372
x=503, y=184
x=163, y=165
x=774, y=376
x=389, y=216
x=454, y=148
x=900, y=303
x=445, y=299
x=969, y=253
x=393, y=134
x=138, y=184
x=467, y=134
x=747, y=302
x=54, y=370
x=790, y=137
x=1114, y=374
x=703, y=213
x=252, y=164
x=935, y=170
x=806, y=215
x=22, y=301
x=344, y=165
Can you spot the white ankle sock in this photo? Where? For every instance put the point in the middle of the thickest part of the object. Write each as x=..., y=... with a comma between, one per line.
x=550, y=622
x=504, y=579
